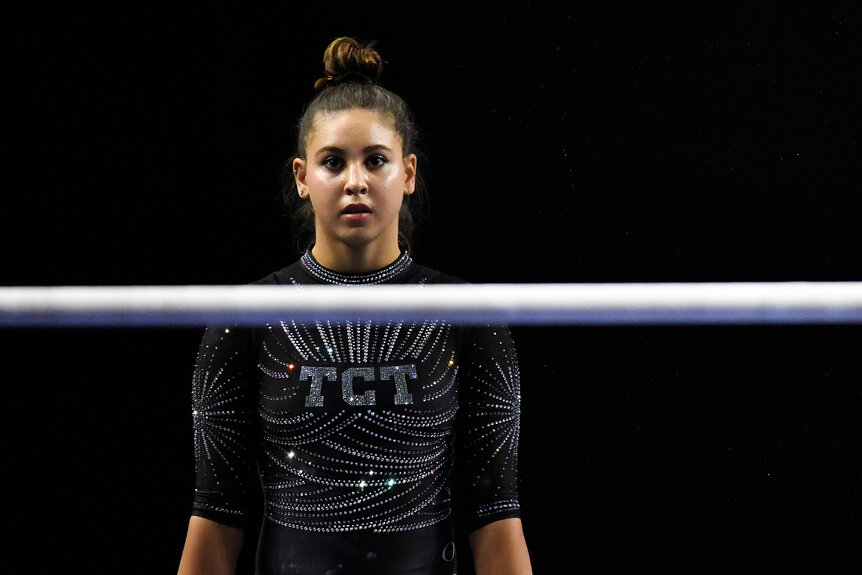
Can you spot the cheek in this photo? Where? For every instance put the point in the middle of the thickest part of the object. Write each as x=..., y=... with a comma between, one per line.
x=319, y=178
x=323, y=186
x=394, y=183
x=321, y=199
x=394, y=198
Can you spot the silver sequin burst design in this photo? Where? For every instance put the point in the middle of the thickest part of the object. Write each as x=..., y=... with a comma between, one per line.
x=354, y=425
x=347, y=461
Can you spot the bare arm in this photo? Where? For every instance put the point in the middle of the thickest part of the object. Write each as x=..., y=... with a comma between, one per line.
x=211, y=548
x=499, y=548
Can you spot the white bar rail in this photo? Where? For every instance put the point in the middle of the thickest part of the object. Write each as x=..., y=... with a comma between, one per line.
x=513, y=304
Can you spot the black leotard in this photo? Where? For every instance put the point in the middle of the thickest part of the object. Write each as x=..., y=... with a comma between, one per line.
x=371, y=441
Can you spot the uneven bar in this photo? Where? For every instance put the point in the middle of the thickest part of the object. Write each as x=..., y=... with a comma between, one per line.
x=513, y=304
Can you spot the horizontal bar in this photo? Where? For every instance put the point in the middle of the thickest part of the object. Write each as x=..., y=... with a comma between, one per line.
x=513, y=304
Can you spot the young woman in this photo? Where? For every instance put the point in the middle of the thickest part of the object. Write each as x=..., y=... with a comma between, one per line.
x=372, y=442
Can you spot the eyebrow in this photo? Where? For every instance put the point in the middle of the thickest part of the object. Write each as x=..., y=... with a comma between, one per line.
x=365, y=150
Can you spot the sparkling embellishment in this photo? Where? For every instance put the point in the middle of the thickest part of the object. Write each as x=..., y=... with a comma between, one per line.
x=366, y=373
x=332, y=277
x=497, y=506
x=362, y=465
x=355, y=424
x=221, y=416
x=315, y=395
x=402, y=396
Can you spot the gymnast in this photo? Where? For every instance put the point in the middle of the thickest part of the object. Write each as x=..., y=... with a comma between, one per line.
x=370, y=446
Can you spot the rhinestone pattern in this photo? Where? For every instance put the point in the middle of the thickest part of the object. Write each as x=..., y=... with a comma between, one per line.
x=329, y=276
x=222, y=412
x=364, y=456
x=355, y=426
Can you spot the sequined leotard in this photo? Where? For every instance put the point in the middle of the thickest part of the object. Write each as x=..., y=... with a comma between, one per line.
x=371, y=441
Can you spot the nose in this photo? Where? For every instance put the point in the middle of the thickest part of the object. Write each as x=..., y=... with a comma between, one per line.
x=356, y=180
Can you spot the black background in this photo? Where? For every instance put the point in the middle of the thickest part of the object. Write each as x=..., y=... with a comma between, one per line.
x=624, y=143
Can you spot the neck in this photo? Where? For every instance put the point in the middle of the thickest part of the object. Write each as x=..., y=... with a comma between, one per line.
x=354, y=259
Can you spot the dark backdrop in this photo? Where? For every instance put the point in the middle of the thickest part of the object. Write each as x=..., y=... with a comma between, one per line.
x=634, y=142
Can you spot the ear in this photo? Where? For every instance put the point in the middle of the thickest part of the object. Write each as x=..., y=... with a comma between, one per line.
x=299, y=175
x=410, y=170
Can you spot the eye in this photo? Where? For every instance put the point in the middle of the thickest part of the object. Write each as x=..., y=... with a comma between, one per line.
x=332, y=162
x=377, y=160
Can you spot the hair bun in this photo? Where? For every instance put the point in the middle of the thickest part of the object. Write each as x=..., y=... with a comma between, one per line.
x=346, y=60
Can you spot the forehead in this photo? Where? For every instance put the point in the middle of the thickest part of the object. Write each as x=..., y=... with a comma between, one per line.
x=357, y=127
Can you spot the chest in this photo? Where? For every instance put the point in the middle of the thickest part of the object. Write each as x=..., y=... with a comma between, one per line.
x=328, y=367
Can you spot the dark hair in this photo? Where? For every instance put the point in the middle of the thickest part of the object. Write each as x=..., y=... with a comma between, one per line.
x=350, y=81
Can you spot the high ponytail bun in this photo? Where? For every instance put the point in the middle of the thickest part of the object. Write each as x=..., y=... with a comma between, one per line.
x=345, y=59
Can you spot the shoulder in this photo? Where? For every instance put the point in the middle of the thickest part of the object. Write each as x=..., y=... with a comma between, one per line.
x=476, y=340
x=234, y=338
x=424, y=275
x=291, y=274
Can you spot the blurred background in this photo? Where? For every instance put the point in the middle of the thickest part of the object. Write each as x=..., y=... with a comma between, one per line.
x=626, y=142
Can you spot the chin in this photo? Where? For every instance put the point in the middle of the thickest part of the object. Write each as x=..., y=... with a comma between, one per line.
x=358, y=240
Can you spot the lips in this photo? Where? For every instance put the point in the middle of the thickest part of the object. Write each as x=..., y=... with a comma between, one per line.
x=356, y=209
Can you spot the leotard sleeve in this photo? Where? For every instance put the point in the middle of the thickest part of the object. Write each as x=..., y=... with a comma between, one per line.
x=223, y=412
x=488, y=428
